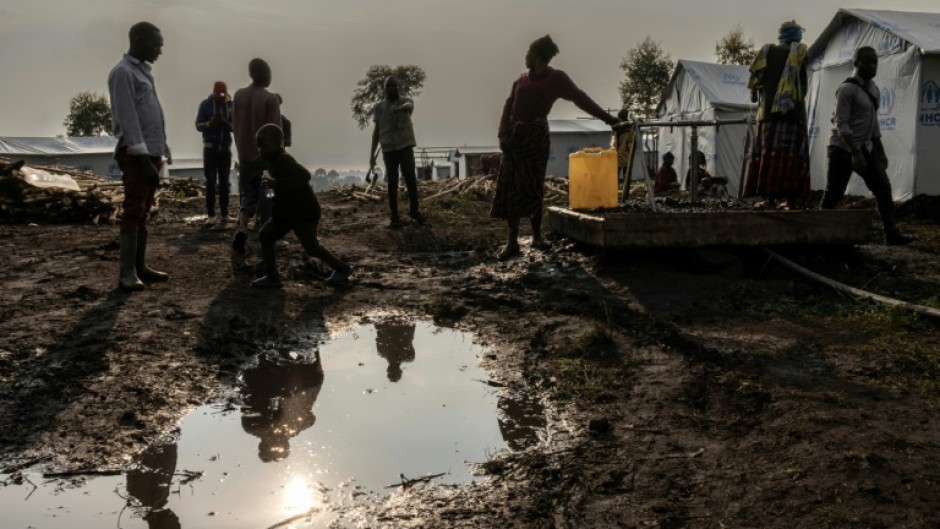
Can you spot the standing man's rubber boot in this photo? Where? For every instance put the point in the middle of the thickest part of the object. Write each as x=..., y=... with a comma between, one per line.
x=127, y=279
x=145, y=273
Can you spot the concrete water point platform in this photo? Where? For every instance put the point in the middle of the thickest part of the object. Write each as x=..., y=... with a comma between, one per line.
x=618, y=229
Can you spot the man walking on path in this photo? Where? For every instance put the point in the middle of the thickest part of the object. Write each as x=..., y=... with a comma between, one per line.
x=856, y=144
x=395, y=132
x=295, y=209
x=138, y=123
x=254, y=107
x=214, y=121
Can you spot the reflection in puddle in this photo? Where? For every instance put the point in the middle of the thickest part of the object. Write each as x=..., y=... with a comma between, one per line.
x=316, y=431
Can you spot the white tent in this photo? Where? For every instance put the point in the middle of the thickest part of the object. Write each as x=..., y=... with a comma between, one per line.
x=908, y=46
x=94, y=154
x=572, y=135
x=706, y=91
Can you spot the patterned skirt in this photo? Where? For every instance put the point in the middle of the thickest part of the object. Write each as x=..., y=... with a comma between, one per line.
x=520, y=182
x=779, y=163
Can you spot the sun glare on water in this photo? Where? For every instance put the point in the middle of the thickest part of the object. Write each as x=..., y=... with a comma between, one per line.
x=299, y=496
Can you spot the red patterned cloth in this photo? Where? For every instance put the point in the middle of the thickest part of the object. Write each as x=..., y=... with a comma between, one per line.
x=779, y=164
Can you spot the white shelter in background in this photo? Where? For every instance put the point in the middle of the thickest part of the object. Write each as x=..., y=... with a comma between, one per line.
x=707, y=91
x=94, y=154
x=572, y=135
x=908, y=47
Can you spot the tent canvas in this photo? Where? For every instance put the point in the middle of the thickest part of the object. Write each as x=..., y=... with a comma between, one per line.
x=94, y=154
x=706, y=91
x=908, y=46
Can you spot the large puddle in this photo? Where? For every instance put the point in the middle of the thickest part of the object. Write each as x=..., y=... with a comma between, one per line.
x=312, y=432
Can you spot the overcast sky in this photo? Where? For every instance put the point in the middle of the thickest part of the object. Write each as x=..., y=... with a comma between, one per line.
x=472, y=50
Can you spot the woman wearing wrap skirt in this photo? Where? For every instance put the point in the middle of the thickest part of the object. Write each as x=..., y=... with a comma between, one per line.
x=524, y=140
x=779, y=162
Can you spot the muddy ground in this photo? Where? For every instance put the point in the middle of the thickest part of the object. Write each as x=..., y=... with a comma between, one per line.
x=703, y=389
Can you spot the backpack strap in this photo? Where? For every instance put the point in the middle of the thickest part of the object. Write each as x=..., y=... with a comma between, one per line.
x=874, y=101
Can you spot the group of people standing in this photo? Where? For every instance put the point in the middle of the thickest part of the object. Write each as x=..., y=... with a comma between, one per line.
x=779, y=165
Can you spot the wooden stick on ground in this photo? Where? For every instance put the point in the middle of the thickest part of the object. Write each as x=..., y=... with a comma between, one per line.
x=405, y=482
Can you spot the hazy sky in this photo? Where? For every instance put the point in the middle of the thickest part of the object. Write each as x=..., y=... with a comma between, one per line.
x=472, y=50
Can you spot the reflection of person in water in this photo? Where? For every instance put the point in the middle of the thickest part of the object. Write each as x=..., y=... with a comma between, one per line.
x=150, y=483
x=279, y=404
x=394, y=341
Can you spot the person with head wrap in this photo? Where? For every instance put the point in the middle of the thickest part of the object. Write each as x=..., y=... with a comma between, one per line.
x=524, y=140
x=779, y=162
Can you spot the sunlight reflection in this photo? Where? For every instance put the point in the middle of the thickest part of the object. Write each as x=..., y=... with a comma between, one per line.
x=300, y=496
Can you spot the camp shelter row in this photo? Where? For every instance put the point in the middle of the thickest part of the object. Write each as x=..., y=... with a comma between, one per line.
x=908, y=45
x=92, y=154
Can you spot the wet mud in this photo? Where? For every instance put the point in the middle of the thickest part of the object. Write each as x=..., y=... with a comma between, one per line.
x=704, y=389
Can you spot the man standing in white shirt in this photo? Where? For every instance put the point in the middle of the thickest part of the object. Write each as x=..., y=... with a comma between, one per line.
x=138, y=123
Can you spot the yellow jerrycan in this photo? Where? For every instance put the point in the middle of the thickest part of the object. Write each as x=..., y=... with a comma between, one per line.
x=592, y=178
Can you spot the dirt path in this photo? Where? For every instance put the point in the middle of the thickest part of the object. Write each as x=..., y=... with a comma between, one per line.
x=687, y=389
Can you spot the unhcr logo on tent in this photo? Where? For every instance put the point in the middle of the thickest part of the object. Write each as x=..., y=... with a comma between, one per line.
x=930, y=104
x=732, y=79
x=886, y=118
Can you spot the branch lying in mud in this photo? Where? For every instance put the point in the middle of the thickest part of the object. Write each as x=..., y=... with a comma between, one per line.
x=930, y=312
x=293, y=519
x=405, y=482
x=78, y=473
x=25, y=464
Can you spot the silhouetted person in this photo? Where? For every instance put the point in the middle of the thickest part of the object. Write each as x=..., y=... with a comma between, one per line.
x=138, y=123
x=524, y=140
x=667, y=179
x=394, y=341
x=254, y=107
x=150, y=484
x=214, y=121
x=624, y=141
x=279, y=404
x=779, y=164
x=286, y=125
x=396, y=133
x=856, y=144
x=295, y=209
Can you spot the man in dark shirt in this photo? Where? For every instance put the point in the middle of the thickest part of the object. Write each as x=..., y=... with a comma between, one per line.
x=214, y=121
x=295, y=209
x=856, y=144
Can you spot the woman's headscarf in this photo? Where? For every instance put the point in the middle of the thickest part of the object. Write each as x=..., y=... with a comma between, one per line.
x=790, y=31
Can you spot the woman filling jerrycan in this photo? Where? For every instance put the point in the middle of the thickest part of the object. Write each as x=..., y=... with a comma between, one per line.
x=592, y=178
